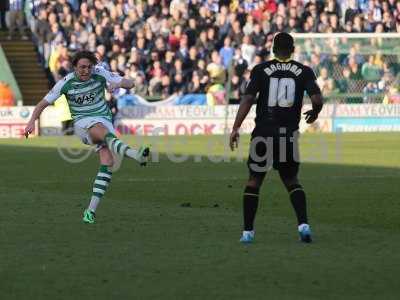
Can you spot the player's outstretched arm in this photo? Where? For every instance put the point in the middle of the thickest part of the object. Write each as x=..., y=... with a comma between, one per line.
x=125, y=83
x=114, y=80
x=244, y=108
x=30, y=127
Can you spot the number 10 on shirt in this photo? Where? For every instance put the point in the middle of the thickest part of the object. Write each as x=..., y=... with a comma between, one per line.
x=281, y=92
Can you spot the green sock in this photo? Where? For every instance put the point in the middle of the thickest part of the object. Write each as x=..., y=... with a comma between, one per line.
x=100, y=185
x=119, y=147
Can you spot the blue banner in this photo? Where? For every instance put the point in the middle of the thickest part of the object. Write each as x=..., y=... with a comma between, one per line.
x=365, y=124
x=135, y=100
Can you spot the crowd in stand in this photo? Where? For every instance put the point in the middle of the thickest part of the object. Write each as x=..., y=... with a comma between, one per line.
x=185, y=46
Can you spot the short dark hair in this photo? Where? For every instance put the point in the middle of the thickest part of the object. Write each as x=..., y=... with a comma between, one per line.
x=283, y=44
x=84, y=54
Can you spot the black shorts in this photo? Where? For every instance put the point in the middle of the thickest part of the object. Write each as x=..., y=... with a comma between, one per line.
x=278, y=151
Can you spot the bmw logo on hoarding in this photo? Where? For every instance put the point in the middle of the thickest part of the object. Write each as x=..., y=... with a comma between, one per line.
x=24, y=113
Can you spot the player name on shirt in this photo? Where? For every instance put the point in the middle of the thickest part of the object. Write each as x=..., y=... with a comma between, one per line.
x=283, y=67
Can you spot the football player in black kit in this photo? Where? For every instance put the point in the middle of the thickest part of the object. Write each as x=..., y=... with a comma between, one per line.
x=277, y=86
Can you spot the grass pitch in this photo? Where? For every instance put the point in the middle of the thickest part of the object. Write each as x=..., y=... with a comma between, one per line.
x=171, y=230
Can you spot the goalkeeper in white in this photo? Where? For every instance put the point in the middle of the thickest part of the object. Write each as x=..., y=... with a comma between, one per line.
x=84, y=90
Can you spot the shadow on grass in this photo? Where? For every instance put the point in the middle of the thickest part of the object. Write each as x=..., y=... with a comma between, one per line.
x=148, y=245
x=359, y=193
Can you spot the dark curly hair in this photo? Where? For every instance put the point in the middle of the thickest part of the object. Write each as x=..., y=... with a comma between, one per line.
x=84, y=54
x=283, y=44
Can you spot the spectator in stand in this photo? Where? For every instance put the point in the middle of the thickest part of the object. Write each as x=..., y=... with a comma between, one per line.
x=121, y=64
x=348, y=27
x=323, y=25
x=74, y=45
x=249, y=26
x=6, y=94
x=15, y=19
x=175, y=37
x=54, y=59
x=248, y=49
x=351, y=11
x=136, y=34
x=65, y=68
x=236, y=34
x=192, y=32
x=386, y=81
x=354, y=53
x=155, y=68
x=325, y=83
x=195, y=86
x=155, y=86
x=215, y=69
x=66, y=20
x=279, y=24
x=332, y=8
x=140, y=87
x=370, y=71
x=212, y=5
x=316, y=62
x=63, y=61
x=334, y=22
x=202, y=72
x=42, y=33
x=358, y=24
x=177, y=68
x=370, y=92
x=355, y=72
x=343, y=82
x=258, y=37
x=183, y=51
x=166, y=87
x=226, y=52
x=190, y=63
x=121, y=41
x=223, y=24
x=101, y=57
x=239, y=63
x=4, y=7
x=114, y=66
x=178, y=85
x=392, y=95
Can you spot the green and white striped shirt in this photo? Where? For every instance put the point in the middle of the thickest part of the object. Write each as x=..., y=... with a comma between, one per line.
x=85, y=98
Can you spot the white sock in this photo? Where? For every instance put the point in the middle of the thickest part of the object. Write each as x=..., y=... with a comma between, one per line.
x=93, y=203
x=248, y=232
x=302, y=226
x=132, y=153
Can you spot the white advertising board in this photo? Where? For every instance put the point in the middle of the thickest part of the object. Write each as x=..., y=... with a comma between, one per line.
x=194, y=120
x=50, y=123
x=13, y=121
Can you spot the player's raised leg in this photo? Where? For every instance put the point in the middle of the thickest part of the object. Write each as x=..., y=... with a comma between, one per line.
x=297, y=196
x=101, y=182
x=99, y=133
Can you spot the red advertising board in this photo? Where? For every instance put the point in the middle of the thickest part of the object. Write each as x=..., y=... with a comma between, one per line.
x=13, y=121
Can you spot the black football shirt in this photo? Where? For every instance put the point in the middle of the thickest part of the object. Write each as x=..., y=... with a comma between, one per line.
x=279, y=88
